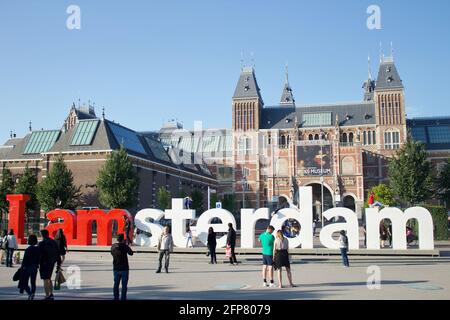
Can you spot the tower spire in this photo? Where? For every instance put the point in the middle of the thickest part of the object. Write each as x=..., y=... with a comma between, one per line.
x=381, y=53
x=369, y=69
x=286, y=80
x=392, y=51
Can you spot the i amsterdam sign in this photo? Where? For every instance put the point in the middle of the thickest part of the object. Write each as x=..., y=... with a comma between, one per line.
x=78, y=226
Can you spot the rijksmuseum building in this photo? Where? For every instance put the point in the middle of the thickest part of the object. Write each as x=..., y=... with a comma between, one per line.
x=339, y=149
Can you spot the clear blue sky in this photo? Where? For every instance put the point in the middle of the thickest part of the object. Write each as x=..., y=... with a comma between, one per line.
x=150, y=61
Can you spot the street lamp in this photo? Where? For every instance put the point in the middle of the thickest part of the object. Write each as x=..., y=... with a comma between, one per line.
x=321, y=176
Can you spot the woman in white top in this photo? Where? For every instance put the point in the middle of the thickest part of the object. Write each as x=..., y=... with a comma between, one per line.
x=11, y=246
x=281, y=257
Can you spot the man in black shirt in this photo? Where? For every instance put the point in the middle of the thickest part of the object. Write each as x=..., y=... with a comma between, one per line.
x=231, y=243
x=48, y=257
x=120, y=252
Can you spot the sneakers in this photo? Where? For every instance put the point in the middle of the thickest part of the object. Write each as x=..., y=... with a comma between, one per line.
x=265, y=284
x=271, y=285
x=50, y=297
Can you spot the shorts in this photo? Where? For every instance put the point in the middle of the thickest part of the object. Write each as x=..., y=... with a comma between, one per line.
x=267, y=260
x=46, y=270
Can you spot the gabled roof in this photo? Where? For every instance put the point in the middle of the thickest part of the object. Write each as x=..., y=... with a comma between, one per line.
x=247, y=86
x=388, y=76
x=349, y=114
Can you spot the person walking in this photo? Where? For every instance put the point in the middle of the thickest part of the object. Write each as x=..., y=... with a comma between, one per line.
x=165, y=247
x=11, y=245
x=121, y=270
x=30, y=265
x=61, y=241
x=188, y=236
x=48, y=257
x=231, y=243
x=281, y=258
x=267, y=241
x=343, y=246
x=212, y=243
x=314, y=226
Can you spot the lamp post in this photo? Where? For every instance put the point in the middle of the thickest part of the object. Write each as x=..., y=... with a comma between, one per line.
x=321, y=177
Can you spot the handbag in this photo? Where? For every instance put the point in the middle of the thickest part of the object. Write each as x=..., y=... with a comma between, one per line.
x=228, y=251
x=17, y=275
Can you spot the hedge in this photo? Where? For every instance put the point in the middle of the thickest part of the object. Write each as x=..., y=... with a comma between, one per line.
x=440, y=220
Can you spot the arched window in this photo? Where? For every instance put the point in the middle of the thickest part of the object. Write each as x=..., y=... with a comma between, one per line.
x=370, y=137
x=350, y=138
x=282, y=141
x=344, y=137
x=316, y=136
x=310, y=137
x=374, y=141
x=365, y=138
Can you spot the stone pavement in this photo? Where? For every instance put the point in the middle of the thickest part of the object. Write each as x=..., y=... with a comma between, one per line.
x=191, y=277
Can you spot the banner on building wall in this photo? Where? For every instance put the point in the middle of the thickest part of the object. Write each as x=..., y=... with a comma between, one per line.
x=314, y=160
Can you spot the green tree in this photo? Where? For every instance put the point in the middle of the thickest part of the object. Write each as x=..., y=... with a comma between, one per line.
x=28, y=185
x=163, y=197
x=410, y=173
x=443, y=183
x=383, y=194
x=228, y=202
x=214, y=198
x=118, y=181
x=197, y=201
x=6, y=187
x=57, y=189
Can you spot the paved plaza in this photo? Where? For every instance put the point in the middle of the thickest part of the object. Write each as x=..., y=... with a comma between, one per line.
x=191, y=277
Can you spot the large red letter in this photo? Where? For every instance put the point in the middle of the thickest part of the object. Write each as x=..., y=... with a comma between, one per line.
x=17, y=204
x=68, y=225
x=104, y=225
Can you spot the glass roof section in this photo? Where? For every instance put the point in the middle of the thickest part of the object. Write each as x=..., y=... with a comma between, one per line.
x=128, y=138
x=41, y=141
x=84, y=132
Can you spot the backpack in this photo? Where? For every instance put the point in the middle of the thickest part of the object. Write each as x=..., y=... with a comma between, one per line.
x=5, y=243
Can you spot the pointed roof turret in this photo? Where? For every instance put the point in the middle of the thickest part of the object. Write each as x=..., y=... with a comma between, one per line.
x=369, y=85
x=287, y=97
x=247, y=86
x=388, y=76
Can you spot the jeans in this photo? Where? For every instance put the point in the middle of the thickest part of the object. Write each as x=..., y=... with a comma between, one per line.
x=121, y=276
x=189, y=239
x=233, y=256
x=212, y=252
x=345, y=257
x=166, y=255
x=9, y=256
x=30, y=273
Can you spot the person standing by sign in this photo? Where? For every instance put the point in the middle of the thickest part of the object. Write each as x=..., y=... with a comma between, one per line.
x=281, y=258
x=165, y=247
x=3, y=245
x=371, y=200
x=267, y=241
x=188, y=235
x=61, y=241
x=343, y=245
x=49, y=256
x=127, y=229
x=30, y=265
x=120, y=252
x=212, y=243
x=231, y=243
x=10, y=244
